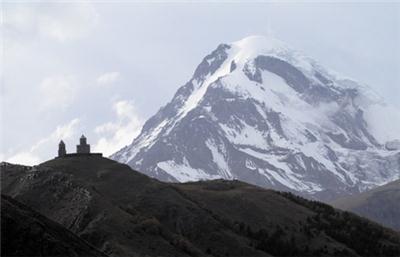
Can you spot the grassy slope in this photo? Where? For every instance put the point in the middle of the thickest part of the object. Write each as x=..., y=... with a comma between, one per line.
x=381, y=204
x=27, y=233
x=123, y=212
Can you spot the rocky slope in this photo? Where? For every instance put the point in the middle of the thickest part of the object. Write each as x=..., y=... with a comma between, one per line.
x=125, y=213
x=25, y=232
x=258, y=111
x=381, y=204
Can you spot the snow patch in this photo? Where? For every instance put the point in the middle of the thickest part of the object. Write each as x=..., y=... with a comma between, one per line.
x=250, y=164
x=246, y=135
x=219, y=159
x=284, y=175
x=184, y=172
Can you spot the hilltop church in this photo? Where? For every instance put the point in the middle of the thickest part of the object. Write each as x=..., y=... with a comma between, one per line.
x=83, y=149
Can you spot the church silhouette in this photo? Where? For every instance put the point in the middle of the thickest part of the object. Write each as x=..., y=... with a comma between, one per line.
x=83, y=149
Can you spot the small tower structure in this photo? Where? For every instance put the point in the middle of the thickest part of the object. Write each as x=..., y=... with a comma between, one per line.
x=82, y=150
x=61, y=149
x=83, y=147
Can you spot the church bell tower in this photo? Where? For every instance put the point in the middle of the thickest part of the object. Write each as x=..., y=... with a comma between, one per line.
x=61, y=149
x=83, y=146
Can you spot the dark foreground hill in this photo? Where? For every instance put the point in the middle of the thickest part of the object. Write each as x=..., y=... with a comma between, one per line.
x=25, y=232
x=125, y=213
x=381, y=204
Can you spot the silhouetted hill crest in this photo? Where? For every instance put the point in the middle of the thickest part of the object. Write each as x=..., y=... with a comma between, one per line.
x=123, y=212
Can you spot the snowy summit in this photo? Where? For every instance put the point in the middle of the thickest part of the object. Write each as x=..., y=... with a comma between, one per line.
x=259, y=111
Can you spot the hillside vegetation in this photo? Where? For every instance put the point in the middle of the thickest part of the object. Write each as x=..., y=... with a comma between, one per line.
x=124, y=213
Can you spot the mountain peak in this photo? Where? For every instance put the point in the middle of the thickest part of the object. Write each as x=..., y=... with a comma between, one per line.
x=253, y=46
x=259, y=111
x=260, y=43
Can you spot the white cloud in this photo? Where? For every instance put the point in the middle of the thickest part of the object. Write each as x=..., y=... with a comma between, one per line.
x=59, y=21
x=41, y=150
x=58, y=91
x=115, y=135
x=75, y=22
x=108, y=78
x=24, y=158
x=63, y=132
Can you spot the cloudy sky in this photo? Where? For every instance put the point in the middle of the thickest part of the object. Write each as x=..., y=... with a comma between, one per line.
x=103, y=68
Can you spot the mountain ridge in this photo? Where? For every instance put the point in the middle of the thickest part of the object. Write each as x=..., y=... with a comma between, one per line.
x=379, y=204
x=123, y=212
x=258, y=111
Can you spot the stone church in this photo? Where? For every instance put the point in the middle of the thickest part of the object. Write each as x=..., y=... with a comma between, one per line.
x=83, y=149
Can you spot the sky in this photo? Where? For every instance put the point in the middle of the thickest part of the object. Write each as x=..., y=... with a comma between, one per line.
x=102, y=68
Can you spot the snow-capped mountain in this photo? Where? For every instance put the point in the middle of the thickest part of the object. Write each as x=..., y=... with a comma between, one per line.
x=258, y=111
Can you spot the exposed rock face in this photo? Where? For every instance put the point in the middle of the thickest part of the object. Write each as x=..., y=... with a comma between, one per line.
x=258, y=111
x=124, y=213
x=393, y=145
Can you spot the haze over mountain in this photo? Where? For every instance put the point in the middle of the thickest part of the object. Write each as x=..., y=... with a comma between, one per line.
x=125, y=213
x=261, y=112
x=381, y=204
